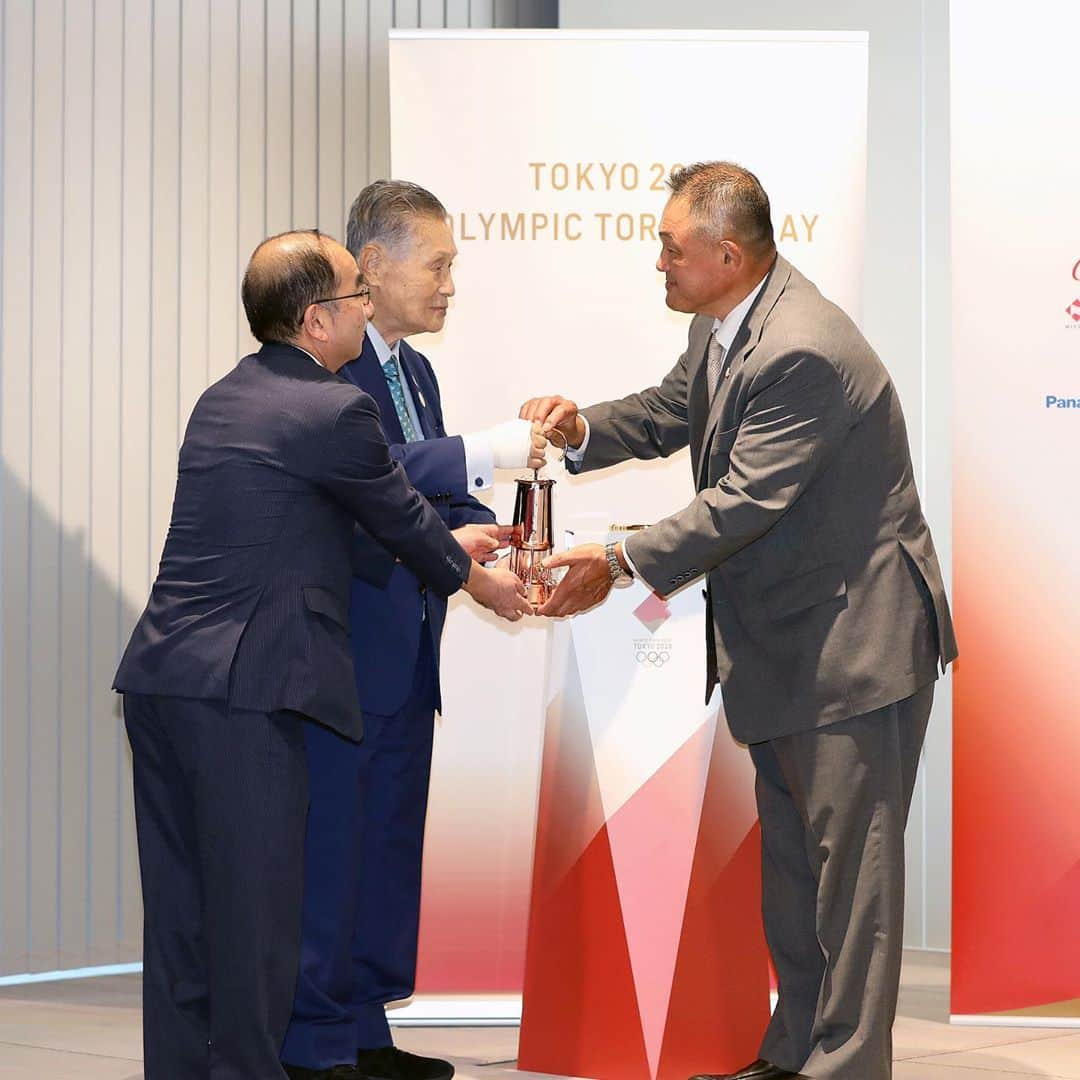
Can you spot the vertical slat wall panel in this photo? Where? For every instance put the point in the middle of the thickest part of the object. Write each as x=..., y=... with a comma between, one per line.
x=279, y=128
x=537, y=13
x=75, y=305
x=146, y=149
x=223, y=299
x=106, y=318
x=433, y=14
x=164, y=268
x=330, y=149
x=406, y=14
x=44, y=362
x=15, y=404
x=357, y=172
x=305, y=113
x=482, y=14
x=457, y=14
x=250, y=150
x=380, y=20
x=135, y=557
x=506, y=13
x=194, y=203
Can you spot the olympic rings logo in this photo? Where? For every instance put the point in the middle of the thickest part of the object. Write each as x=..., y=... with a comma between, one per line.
x=656, y=657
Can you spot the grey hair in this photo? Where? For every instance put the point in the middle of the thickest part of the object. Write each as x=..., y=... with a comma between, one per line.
x=726, y=201
x=384, y=211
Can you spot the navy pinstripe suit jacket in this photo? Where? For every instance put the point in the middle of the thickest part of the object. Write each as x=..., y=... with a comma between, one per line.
x=251, y=600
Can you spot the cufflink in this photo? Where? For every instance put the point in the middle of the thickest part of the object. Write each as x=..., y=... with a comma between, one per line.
x=479, y=481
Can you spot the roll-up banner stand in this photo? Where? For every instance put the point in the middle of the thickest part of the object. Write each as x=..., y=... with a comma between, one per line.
x=1016, y=346
x=550, y=150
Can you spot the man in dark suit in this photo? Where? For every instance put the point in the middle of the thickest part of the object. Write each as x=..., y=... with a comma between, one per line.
x=244, y=648
x=826, y=616
x=362, y=890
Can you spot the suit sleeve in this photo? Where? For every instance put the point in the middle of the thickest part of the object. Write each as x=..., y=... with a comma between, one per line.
x=650, y=424
x=797, y=416
x=435, y=467
x=371, y=562
x=470, y=511
x=363, y=477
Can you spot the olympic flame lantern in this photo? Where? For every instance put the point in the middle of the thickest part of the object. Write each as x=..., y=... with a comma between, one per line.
x=531, y=541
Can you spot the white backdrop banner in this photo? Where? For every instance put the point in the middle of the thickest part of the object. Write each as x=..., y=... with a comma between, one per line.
x=1016, y=741
x=550, y=150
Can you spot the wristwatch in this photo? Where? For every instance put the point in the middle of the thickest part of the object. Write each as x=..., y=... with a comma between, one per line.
x=615, y=568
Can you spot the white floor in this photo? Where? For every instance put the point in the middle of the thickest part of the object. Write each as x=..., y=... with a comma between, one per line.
x=90, y=1030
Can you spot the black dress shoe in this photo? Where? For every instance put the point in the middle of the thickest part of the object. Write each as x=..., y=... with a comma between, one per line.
x=335, y=1072
x=390, y=1063
x=756, y=1070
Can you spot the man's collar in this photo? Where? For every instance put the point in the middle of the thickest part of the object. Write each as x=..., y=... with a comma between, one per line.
x=312, y=355
x=378, y=343
x=727, y=328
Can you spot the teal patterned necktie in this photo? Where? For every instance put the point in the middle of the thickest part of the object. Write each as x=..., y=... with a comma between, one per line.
x=393, y=380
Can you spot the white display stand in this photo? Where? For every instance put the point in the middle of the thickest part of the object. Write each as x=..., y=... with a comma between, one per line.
x=646, y=888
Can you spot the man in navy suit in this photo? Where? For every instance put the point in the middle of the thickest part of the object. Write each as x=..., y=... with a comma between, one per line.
x=362, y=892
x=245, y=642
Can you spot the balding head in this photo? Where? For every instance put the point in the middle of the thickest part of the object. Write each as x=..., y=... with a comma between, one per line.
x=286, y=275
x=304, y=289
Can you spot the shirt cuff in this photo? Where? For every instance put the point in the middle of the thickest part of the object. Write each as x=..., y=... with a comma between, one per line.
x=479, y=461
x=629, y=561
x=576, y=456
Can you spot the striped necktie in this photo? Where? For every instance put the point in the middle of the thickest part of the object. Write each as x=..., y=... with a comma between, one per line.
x=393, y=381
x=714, y=365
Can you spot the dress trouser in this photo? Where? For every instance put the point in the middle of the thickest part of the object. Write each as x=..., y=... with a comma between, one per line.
x=220, y=805
x=833, y=803
x=364, y=847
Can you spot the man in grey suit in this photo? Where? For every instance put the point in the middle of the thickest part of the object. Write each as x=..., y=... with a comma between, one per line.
x=826, y=616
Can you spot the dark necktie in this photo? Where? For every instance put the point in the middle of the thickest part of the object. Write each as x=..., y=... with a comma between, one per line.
x=714, y=366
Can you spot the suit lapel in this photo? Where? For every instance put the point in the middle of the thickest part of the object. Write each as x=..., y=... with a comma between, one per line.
x=697, y=404
x=366, y=373
x=744, y=344
x=415, y=376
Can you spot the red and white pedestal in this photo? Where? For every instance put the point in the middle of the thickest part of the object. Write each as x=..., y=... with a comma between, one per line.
x=645, y=956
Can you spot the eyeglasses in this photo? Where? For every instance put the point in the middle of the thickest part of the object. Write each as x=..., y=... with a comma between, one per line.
x=364, y=293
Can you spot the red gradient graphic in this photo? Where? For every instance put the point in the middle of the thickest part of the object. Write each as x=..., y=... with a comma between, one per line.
x=1016, y=836
x=645, y=957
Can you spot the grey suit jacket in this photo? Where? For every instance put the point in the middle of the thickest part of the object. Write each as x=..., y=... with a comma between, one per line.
x=825, y=598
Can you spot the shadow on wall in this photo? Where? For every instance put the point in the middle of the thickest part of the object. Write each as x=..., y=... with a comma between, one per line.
x=69, y=889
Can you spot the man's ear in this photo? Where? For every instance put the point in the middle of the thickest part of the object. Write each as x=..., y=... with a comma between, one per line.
x=371, y=261
x=316, y=322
